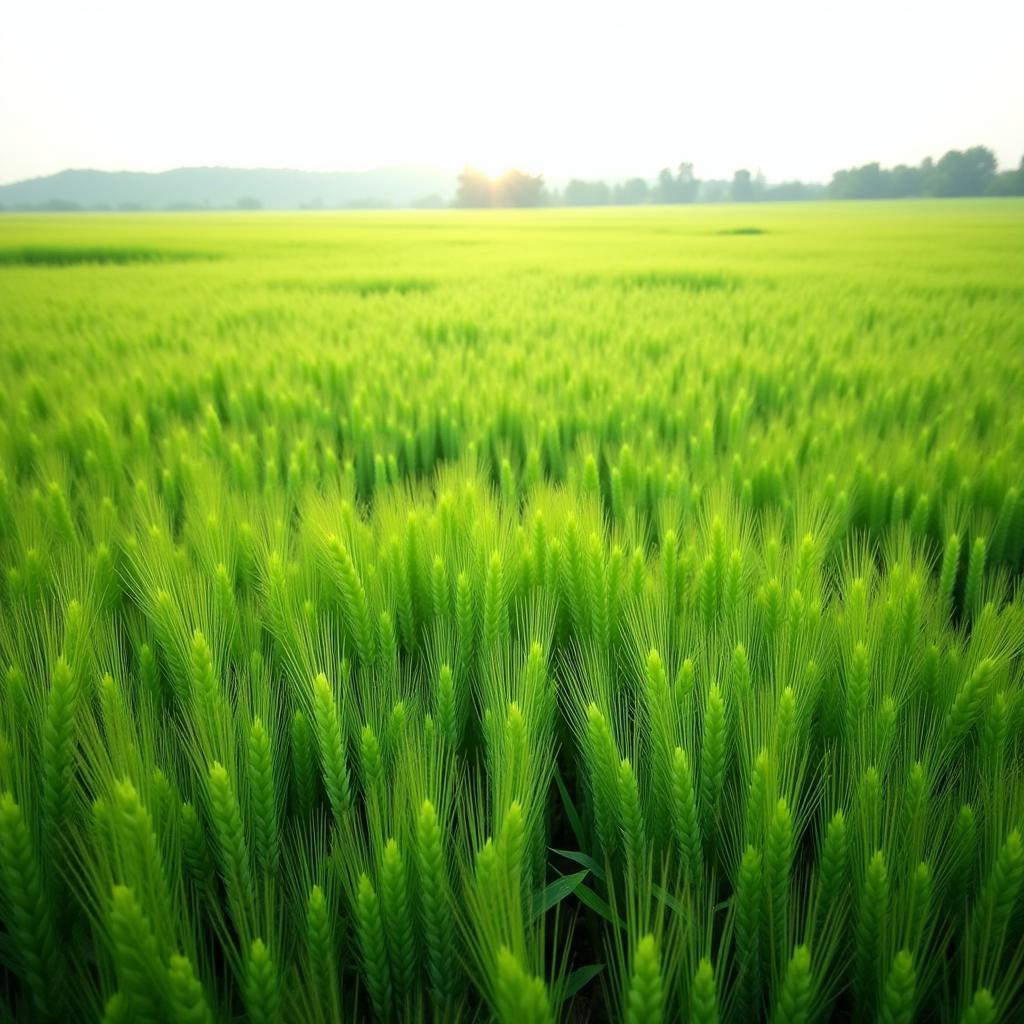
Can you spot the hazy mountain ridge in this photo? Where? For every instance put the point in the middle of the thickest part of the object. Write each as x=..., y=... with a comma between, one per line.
x=227, y=187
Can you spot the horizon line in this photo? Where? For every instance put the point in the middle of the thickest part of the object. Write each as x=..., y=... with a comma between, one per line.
x=754, y=169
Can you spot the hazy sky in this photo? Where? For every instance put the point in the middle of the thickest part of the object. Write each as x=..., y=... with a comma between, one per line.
x=796, y=88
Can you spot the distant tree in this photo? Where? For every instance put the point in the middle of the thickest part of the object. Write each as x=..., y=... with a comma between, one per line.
x=248, y=203
x=866, y=182
x=1008, y=183
x=586, y=193
x=714, y=191
x=665, y=189
x=971, y=172
x=905, y=182
x=474, y=189
x=632, y=193
x=514, y=188
x=967, y=173
x=681, y=187
x=431, y=202
x=686, y=184
x=742, y=187
x=576, y=193
x=792, y=192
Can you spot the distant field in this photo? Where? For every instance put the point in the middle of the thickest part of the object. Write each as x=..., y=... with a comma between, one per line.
x=520, y=616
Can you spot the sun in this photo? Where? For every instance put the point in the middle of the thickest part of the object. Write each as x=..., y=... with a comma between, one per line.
x=494, y=166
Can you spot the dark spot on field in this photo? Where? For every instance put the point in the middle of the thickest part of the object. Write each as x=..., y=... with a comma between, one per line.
x=363, y=287
x=972, y=293
x=72, y=256
x=656, y=281
x=259, y=319
x=677, y=280
x=743, y=231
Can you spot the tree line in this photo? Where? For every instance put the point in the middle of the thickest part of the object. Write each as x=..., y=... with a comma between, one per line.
x=970, y=172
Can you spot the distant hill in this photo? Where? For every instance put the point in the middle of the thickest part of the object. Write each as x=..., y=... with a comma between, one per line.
x=194, y=188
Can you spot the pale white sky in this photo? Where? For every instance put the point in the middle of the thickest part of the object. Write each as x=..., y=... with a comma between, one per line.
x=796, y=88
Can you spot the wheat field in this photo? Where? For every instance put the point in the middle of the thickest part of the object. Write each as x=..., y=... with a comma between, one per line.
x=513, y=616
